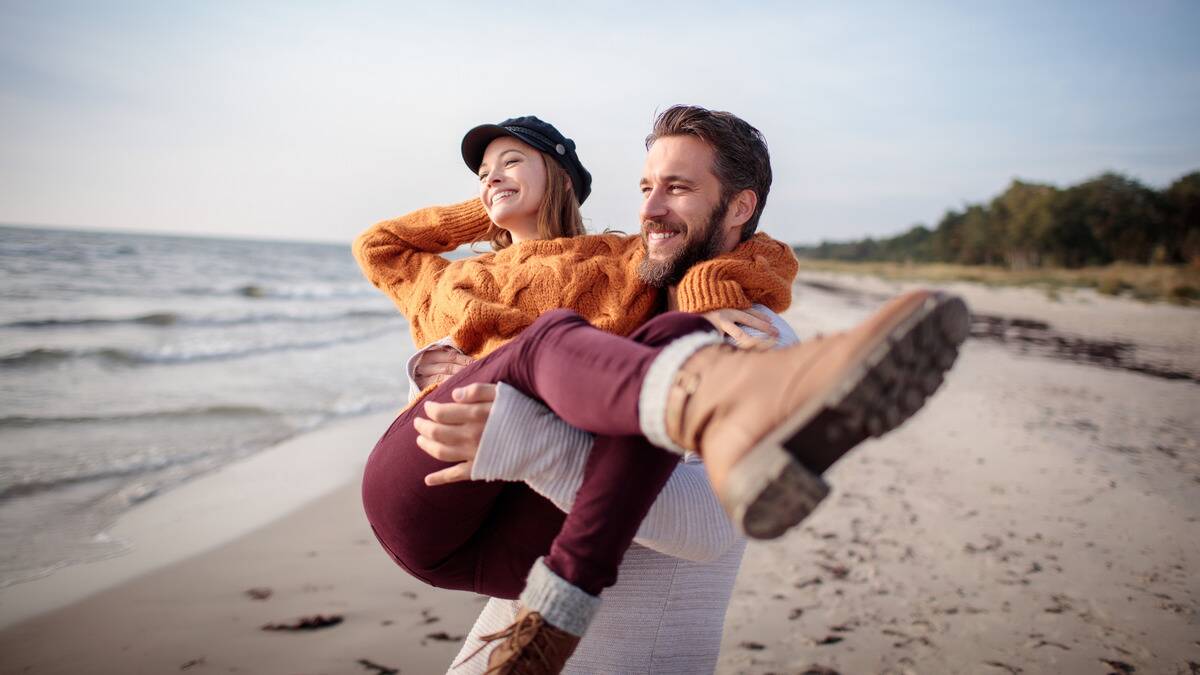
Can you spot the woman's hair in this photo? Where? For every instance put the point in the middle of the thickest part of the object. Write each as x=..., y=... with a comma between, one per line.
x=558, y=215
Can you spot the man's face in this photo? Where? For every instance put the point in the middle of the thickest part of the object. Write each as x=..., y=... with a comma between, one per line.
x=682, y=212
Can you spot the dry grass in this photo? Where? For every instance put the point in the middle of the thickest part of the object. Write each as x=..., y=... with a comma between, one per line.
x=1177, y=284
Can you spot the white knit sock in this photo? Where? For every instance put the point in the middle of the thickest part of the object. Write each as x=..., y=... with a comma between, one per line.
x=561, y=603
x=652, y=403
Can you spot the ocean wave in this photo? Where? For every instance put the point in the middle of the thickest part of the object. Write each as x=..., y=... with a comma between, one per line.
x=152, y=319
x=24, y=487
x=164, y=319
x=43, y=357
x=191, y=463
x=356, y=289
x=14, y=421
x=123, y=288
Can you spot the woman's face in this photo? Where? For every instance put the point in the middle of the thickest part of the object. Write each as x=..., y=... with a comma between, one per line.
x=512, y=182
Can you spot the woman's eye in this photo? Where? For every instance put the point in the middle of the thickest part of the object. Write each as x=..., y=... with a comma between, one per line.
x=483, y=176
x=510, y=162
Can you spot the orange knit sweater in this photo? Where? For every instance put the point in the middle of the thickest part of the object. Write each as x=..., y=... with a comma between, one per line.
x=485, y=301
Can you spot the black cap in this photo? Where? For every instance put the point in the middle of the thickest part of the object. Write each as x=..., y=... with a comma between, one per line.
x=537, y=133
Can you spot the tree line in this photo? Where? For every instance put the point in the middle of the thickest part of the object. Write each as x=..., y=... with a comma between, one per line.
x=1109, y=218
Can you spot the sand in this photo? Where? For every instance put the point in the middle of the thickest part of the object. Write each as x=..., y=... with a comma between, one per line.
x=1041, y=515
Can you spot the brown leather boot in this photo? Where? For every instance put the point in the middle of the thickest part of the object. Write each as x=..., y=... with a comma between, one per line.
x=530, y=647
x=768, y=423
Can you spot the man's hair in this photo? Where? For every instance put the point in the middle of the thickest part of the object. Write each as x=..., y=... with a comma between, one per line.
x=741, y=159
x=558, y=214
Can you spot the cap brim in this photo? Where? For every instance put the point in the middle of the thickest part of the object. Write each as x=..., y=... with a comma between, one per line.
x=475, y=143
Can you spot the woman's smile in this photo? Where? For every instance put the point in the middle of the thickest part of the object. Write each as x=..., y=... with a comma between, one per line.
x=501, y=195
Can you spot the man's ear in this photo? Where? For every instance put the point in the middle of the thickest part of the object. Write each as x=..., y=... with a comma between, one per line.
x=741, y=208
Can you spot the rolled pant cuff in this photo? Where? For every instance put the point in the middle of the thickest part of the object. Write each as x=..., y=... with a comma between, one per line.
x=560, y=603
x=660, y=377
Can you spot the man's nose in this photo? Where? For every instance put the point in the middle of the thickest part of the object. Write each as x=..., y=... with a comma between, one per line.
x=653, y=206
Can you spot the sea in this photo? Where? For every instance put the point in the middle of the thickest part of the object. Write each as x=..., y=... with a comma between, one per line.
x=131, y=363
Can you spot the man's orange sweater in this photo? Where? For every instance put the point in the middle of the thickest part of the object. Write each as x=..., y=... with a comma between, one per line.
x=485, y=301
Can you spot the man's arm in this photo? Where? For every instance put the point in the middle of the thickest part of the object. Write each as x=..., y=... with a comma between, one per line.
x=524, y=440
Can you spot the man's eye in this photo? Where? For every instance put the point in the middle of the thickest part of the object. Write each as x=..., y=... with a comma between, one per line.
x=677, y=188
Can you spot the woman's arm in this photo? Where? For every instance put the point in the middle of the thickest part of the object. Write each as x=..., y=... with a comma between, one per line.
x=402, y=256
x=759, y=271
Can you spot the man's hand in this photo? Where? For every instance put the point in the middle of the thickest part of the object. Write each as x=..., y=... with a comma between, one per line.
x=453, y=430
x=730, y=322
x=435, y=366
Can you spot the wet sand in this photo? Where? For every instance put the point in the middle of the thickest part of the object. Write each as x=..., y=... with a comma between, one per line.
x=1041, y=515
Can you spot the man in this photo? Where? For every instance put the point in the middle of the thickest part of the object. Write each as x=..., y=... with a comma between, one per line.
x=706, y=179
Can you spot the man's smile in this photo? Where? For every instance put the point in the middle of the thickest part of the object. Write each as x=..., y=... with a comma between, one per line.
x=662, y=238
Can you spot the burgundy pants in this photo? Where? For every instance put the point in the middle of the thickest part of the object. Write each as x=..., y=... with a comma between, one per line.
x=485, y=536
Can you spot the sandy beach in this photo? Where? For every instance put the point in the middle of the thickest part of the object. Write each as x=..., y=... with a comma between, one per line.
x=1041, y=515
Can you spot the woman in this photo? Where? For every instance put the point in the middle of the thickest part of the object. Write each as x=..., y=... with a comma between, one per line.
x=495, y=307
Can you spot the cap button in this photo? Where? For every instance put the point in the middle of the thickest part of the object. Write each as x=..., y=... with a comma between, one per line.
x=560, y=149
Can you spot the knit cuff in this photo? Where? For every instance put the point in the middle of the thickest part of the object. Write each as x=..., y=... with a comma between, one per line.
x=708, y=286
x=758, y=270
x=560, y=603
x=465, y=223
x=660, y=377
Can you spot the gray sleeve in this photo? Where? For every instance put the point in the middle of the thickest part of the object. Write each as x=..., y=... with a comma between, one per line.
x=524, y=440
x=787, y=336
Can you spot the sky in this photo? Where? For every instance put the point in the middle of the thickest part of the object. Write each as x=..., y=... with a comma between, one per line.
x=311, y=120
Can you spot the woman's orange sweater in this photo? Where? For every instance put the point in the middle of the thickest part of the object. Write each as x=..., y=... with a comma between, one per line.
x=485, y=301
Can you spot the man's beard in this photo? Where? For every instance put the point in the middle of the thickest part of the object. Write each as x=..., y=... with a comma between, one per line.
x=668, y=272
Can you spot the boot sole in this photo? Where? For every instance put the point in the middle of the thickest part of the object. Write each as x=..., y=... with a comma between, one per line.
x=771, y=490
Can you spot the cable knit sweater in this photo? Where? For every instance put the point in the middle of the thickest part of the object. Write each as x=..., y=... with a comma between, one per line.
x=483, y=302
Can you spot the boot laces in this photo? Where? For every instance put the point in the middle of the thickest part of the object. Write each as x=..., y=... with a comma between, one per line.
x=520, y=639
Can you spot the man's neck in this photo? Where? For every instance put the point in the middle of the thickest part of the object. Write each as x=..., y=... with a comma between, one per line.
x=672, y=299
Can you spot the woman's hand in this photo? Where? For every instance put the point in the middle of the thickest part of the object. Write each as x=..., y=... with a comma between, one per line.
x=435, y=366
x=730, y=322
x=453, y=430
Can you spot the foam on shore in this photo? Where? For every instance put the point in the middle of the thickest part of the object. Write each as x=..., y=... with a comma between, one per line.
x=208, y=512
